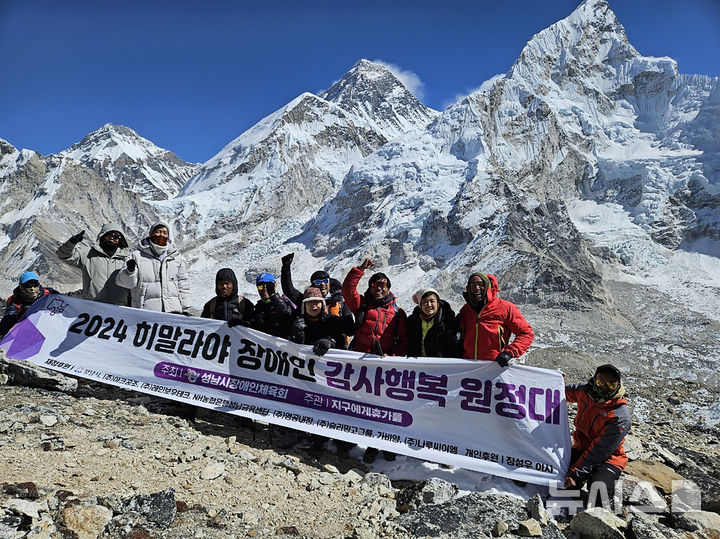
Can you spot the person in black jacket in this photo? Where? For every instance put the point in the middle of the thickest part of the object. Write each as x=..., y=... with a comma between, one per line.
x=432, y=328
x=330, y=290
x=273, y=312
x=25, y=294
x=313, y=325
x=228, y=305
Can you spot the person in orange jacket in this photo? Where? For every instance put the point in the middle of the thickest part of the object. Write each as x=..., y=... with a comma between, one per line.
x=486, y=323
x=601, y=424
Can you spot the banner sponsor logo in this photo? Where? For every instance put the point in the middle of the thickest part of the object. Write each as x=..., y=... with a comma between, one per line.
x=472, y=414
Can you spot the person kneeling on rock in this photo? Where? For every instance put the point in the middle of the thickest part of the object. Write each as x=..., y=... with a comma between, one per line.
x=601, y=424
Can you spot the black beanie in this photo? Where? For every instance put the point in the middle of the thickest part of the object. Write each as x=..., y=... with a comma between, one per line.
x=611, y=369
x=319, y=274
x=380, y=277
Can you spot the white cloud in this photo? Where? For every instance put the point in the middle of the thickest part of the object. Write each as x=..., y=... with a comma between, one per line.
x=409, y=79
x=485, y=86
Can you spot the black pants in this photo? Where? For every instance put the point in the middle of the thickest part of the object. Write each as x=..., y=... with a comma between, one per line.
x=600, y=484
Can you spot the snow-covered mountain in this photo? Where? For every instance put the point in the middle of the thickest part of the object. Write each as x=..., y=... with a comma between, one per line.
x=292, y=161
x=119, y=154
x=46, y=199
x=585, y=175
x=370, y=91
x=492, y=181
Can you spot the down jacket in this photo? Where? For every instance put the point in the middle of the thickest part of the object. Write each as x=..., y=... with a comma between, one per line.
x=441, y=340
x=487, y=333
x=600, y=429
x=98, y=269
x=159, y=282
x=380, y=327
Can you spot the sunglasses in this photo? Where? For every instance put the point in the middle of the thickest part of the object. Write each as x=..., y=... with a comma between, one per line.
x=31, y=284
x=318, y=282
x=113, y=236
x=379, y=284
x=262, y=286
x=606, y=384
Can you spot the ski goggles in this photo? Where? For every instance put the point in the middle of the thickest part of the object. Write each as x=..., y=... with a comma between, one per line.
x=263, y=286
x=605, y=384
x=318, y=282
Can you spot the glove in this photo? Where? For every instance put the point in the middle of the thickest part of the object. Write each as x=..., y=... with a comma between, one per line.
x=235, y=320
x=287, y=259
x=77, y=238
x=131, y=265
x=503, y=359
x=321, y=346
x=270, y=287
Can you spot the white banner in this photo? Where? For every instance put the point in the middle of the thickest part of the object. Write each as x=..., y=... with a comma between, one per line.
x=473, y=414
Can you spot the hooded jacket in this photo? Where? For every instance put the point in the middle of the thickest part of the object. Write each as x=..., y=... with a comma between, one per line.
x=159, y=282
x=380, y=326
x=334, y=300
x=220, y=308
x=441, y=339
x=486, y=333
x=98, y=269
x=16, y=306
x=600, y=429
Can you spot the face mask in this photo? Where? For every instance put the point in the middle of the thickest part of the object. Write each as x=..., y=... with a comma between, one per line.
x=31, y=292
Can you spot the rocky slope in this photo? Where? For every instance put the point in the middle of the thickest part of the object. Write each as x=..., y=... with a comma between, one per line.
x=119, y=154
x=85, y=459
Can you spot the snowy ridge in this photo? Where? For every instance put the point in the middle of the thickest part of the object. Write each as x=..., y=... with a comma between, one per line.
x=119, y=154
x=584, y=166
x=371, y=92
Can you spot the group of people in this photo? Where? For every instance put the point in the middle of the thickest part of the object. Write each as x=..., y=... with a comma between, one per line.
x=329, y=314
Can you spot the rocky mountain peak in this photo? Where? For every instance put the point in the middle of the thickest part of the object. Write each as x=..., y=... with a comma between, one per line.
x=117, y=153
x=373, y=93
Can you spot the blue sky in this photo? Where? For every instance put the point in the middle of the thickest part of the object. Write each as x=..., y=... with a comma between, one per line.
x=191, y=76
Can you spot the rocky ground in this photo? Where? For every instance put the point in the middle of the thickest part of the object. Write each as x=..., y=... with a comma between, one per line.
x=80, y=459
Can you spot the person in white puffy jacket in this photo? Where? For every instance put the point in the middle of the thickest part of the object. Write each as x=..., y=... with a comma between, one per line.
x=156, y=274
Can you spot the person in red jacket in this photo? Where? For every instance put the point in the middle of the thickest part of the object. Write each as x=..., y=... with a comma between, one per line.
x=486, y=323
x=380, y=325
x=601, y=423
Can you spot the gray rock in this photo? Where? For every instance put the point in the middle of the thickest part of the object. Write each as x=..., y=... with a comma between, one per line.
x=636, y=492
x=500, y=528
x=529, y=528
x=697, y=520
x=48, y=420
x=633, y=447
x=708, y=485
x=212, y=471
x=643, y=526
x=290, y=464
x=376, y=483
x=24, y=373
x=597, y=522
x=26, y=507
x=158, y=508
x=466, y=517
x=434, y=490
x=536, y=508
